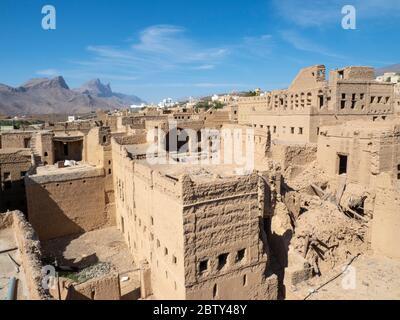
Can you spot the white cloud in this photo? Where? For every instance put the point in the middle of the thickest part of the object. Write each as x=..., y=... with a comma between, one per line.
x=204, y=67
x=196, y=85
x=162, y=50
x=166, y=52
x=304, y=44
x=48, y=72
x=159, y=47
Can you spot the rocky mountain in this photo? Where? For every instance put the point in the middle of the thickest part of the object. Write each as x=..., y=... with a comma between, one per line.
x=391, y=68
x=41, y=96
x=100, y=90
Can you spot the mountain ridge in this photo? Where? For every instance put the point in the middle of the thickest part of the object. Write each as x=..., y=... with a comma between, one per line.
x=390, y=68
x=53, y=95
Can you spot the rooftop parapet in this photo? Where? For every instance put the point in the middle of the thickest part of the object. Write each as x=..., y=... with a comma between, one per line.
x=52, y=173
x=363, y=129
x=352, y=73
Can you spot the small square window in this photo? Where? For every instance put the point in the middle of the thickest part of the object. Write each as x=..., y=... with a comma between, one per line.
x=203, y=266
x=240, y=255
x=222, y=259
x=6, y=176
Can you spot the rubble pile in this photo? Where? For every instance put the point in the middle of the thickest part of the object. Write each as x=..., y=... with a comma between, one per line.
x=326, y=237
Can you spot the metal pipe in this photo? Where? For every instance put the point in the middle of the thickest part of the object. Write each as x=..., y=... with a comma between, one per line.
x=11, y=288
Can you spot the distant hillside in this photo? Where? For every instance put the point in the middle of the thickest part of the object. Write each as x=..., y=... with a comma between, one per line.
x=44, y=96
x=391, y=68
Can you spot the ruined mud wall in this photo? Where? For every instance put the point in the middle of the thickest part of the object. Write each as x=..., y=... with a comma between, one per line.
x=386, y=221
x=216, y=118
x=98, y=152
x=94, y=151
x=368, y=152
x=159, y=230
x=295, y=156
x=44, y=147
x=15, y=139
x=13, y=166
x=311, y=102
x=29, y=252
x=67, y=205
x=222, y=220
x=150, y=217
x=138, y=138
x=222, y=213
x=102, y=288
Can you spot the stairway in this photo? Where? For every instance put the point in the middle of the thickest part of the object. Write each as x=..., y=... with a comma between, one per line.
x=36, y=156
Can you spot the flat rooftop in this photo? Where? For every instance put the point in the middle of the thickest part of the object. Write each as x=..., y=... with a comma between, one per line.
x=199, y=172
x=137, y=149
x=363, y=127
x=52, y=173
x=21, y=151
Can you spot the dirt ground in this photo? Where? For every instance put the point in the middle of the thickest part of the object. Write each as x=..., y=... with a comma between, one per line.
x=8, y=268
x=376, y=278
x=104, y=245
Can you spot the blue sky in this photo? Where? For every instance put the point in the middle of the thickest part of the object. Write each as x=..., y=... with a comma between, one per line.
x=177, y=48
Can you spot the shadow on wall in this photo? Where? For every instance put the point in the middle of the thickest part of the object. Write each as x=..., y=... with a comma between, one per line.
x=46, y=216
x=13, y=196
x=280, y=250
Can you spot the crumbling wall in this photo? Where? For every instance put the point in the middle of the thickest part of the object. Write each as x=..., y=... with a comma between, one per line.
x=150, y=217
x=157, y=231
x=16, y=139
x=29, y=252
x=46, y=150
x=101, y=288
x=67, y=205
x=386, y=221
x=138, y=138
x=223, y=219
x=326, y=237
x=295, y=157
x=14, y=163
x=94, y=149
x=370, y=149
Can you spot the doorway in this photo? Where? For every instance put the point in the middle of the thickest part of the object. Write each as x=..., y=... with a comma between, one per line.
x=342, y=164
